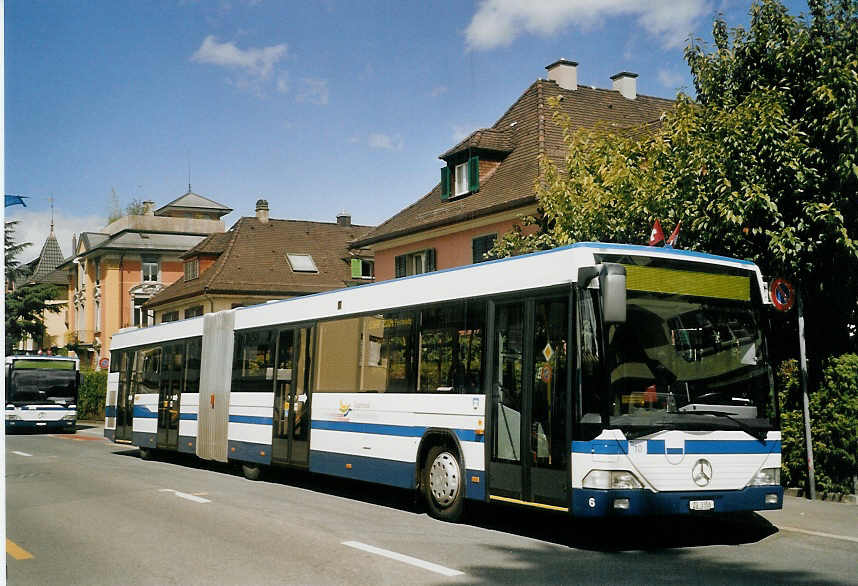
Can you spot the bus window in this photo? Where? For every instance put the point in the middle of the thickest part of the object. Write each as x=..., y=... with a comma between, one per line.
x=253, y=362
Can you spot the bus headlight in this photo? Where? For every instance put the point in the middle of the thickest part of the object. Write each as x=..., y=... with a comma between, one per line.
x=611, y=479
x=70, y=417
x=766, y=477
x=12, y=417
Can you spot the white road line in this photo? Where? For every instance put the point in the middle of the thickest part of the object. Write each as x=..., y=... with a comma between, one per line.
x=22, y=454
x=818, y=534
x=404, y=558
x=184, y=495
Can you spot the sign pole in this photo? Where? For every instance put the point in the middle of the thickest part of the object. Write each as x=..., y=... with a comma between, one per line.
x=811, y=480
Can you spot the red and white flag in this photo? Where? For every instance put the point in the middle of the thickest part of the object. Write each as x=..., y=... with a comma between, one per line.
x=656, y=235
x=674, y=236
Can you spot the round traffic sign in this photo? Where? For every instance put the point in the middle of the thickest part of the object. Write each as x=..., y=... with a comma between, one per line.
x=104, y=363
x=782, y=294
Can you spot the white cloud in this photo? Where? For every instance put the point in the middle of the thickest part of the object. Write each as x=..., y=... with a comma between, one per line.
x=258, y=62
x=670, y=79
x=283, y=83
x=35, y=225
x=438, y=91
x=385, y=141
x=314, y=91
x=497, y=23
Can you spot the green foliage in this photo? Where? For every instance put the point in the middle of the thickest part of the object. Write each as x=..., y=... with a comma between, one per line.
x=116, y=211
x=763, y=166
x=25, y=309
x=12, y=250
x=92, y=394
x=834, y=421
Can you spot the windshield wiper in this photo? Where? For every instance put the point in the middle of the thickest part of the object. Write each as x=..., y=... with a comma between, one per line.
x=759, y=434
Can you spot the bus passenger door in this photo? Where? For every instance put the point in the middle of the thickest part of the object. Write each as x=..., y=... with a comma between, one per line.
x=530, y=408
x=291, y=433
x=125, y=397
x=169, y=393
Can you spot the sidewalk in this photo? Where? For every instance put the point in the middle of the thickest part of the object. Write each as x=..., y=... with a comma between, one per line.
x=816, y=517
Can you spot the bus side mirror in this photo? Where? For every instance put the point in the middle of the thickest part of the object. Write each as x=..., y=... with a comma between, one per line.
x=612, y=289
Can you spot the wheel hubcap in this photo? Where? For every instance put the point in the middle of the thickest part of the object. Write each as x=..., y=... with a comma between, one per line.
x=444, y=479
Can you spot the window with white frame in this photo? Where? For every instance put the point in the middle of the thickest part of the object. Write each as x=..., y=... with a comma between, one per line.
x=97, y=315
x=415, y=263
x=462, y=179
x=192, y=269
x=150, y=269
x=142, y=317
x=302, y=263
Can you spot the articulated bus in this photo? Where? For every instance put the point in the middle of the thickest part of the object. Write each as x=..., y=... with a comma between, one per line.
x=41, y=393
x=594, y=379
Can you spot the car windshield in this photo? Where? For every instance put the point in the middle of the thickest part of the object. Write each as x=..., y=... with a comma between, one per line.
x=42, y=386
x=681, y=356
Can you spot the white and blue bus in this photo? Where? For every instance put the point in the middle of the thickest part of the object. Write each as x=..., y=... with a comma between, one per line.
x=595, y=379
x=41, y=393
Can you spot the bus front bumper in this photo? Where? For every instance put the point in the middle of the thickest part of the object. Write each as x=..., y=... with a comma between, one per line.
x=631, y=503
x=24, y=425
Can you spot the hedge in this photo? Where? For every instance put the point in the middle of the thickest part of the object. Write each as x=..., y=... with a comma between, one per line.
x=91, y=395
x=834, y=426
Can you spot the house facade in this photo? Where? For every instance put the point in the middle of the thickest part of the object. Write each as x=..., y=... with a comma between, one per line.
x=112, y=273
x=260, y=259
x=488, y=180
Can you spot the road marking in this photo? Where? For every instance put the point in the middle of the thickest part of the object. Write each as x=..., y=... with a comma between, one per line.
x=22, y=454
x=818, y=534
x=16, y=551
x=404, y=558
x=184, y=495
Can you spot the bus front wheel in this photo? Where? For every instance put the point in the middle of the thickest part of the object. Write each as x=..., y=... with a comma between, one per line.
x=251, y=471
x=442, y=484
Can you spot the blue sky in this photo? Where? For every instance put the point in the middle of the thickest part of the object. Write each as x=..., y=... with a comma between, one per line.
x=317, y=107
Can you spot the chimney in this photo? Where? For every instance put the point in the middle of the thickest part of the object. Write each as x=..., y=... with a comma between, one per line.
x=148, y=208
x=262, y=211
x=344, y=218
x=74, y=244
x=565, y=73
x=624, y=82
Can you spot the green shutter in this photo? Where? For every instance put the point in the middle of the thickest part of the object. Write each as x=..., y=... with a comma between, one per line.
x=474, y=174
x=445, y=183
x=356, y=268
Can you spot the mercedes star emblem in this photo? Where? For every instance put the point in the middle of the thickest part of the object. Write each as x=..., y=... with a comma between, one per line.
x=701, y=472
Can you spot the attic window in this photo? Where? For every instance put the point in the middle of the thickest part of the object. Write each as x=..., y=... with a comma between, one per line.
x=462, y=179
x=302, y=263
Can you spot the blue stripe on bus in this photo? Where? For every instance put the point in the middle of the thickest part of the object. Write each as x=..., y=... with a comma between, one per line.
x=694, y=447
x=110, y=411
x=251, y=419
x=465, y=435
x=188, y=416
x=144, y=412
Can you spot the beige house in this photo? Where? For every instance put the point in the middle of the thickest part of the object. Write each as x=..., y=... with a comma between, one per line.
x=113, y=272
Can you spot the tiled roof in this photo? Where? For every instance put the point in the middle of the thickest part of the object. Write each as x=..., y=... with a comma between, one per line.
x=193, y=201
x=486, y=139
x=253, y=260
x=49, y=259
x=530, y=131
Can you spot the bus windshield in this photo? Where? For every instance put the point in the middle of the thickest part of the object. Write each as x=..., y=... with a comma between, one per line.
x=42, y=382
x=678, y=359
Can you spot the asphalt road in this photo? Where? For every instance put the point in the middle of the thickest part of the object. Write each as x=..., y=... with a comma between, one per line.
x=83, y=511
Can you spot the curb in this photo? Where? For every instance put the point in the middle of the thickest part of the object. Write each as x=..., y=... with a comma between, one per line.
x=832, y=497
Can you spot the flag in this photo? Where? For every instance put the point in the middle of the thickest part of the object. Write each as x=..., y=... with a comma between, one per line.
x=13, y=200
x=674, y=236
x=656, y=235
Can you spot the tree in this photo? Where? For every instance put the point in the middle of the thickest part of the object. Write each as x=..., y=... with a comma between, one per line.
x=26, y=305
x=132, y=208
x=12, y=250
x=762, y=166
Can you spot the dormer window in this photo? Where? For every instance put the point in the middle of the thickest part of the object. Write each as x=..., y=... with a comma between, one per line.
x=192, y=269
x=302, y=263
x=462, y=179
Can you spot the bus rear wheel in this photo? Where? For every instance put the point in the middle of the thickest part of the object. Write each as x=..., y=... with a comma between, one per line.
x=442, y=484
x=145, y=453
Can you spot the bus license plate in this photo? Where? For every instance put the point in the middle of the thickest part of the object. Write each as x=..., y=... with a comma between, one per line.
x=701, y=505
